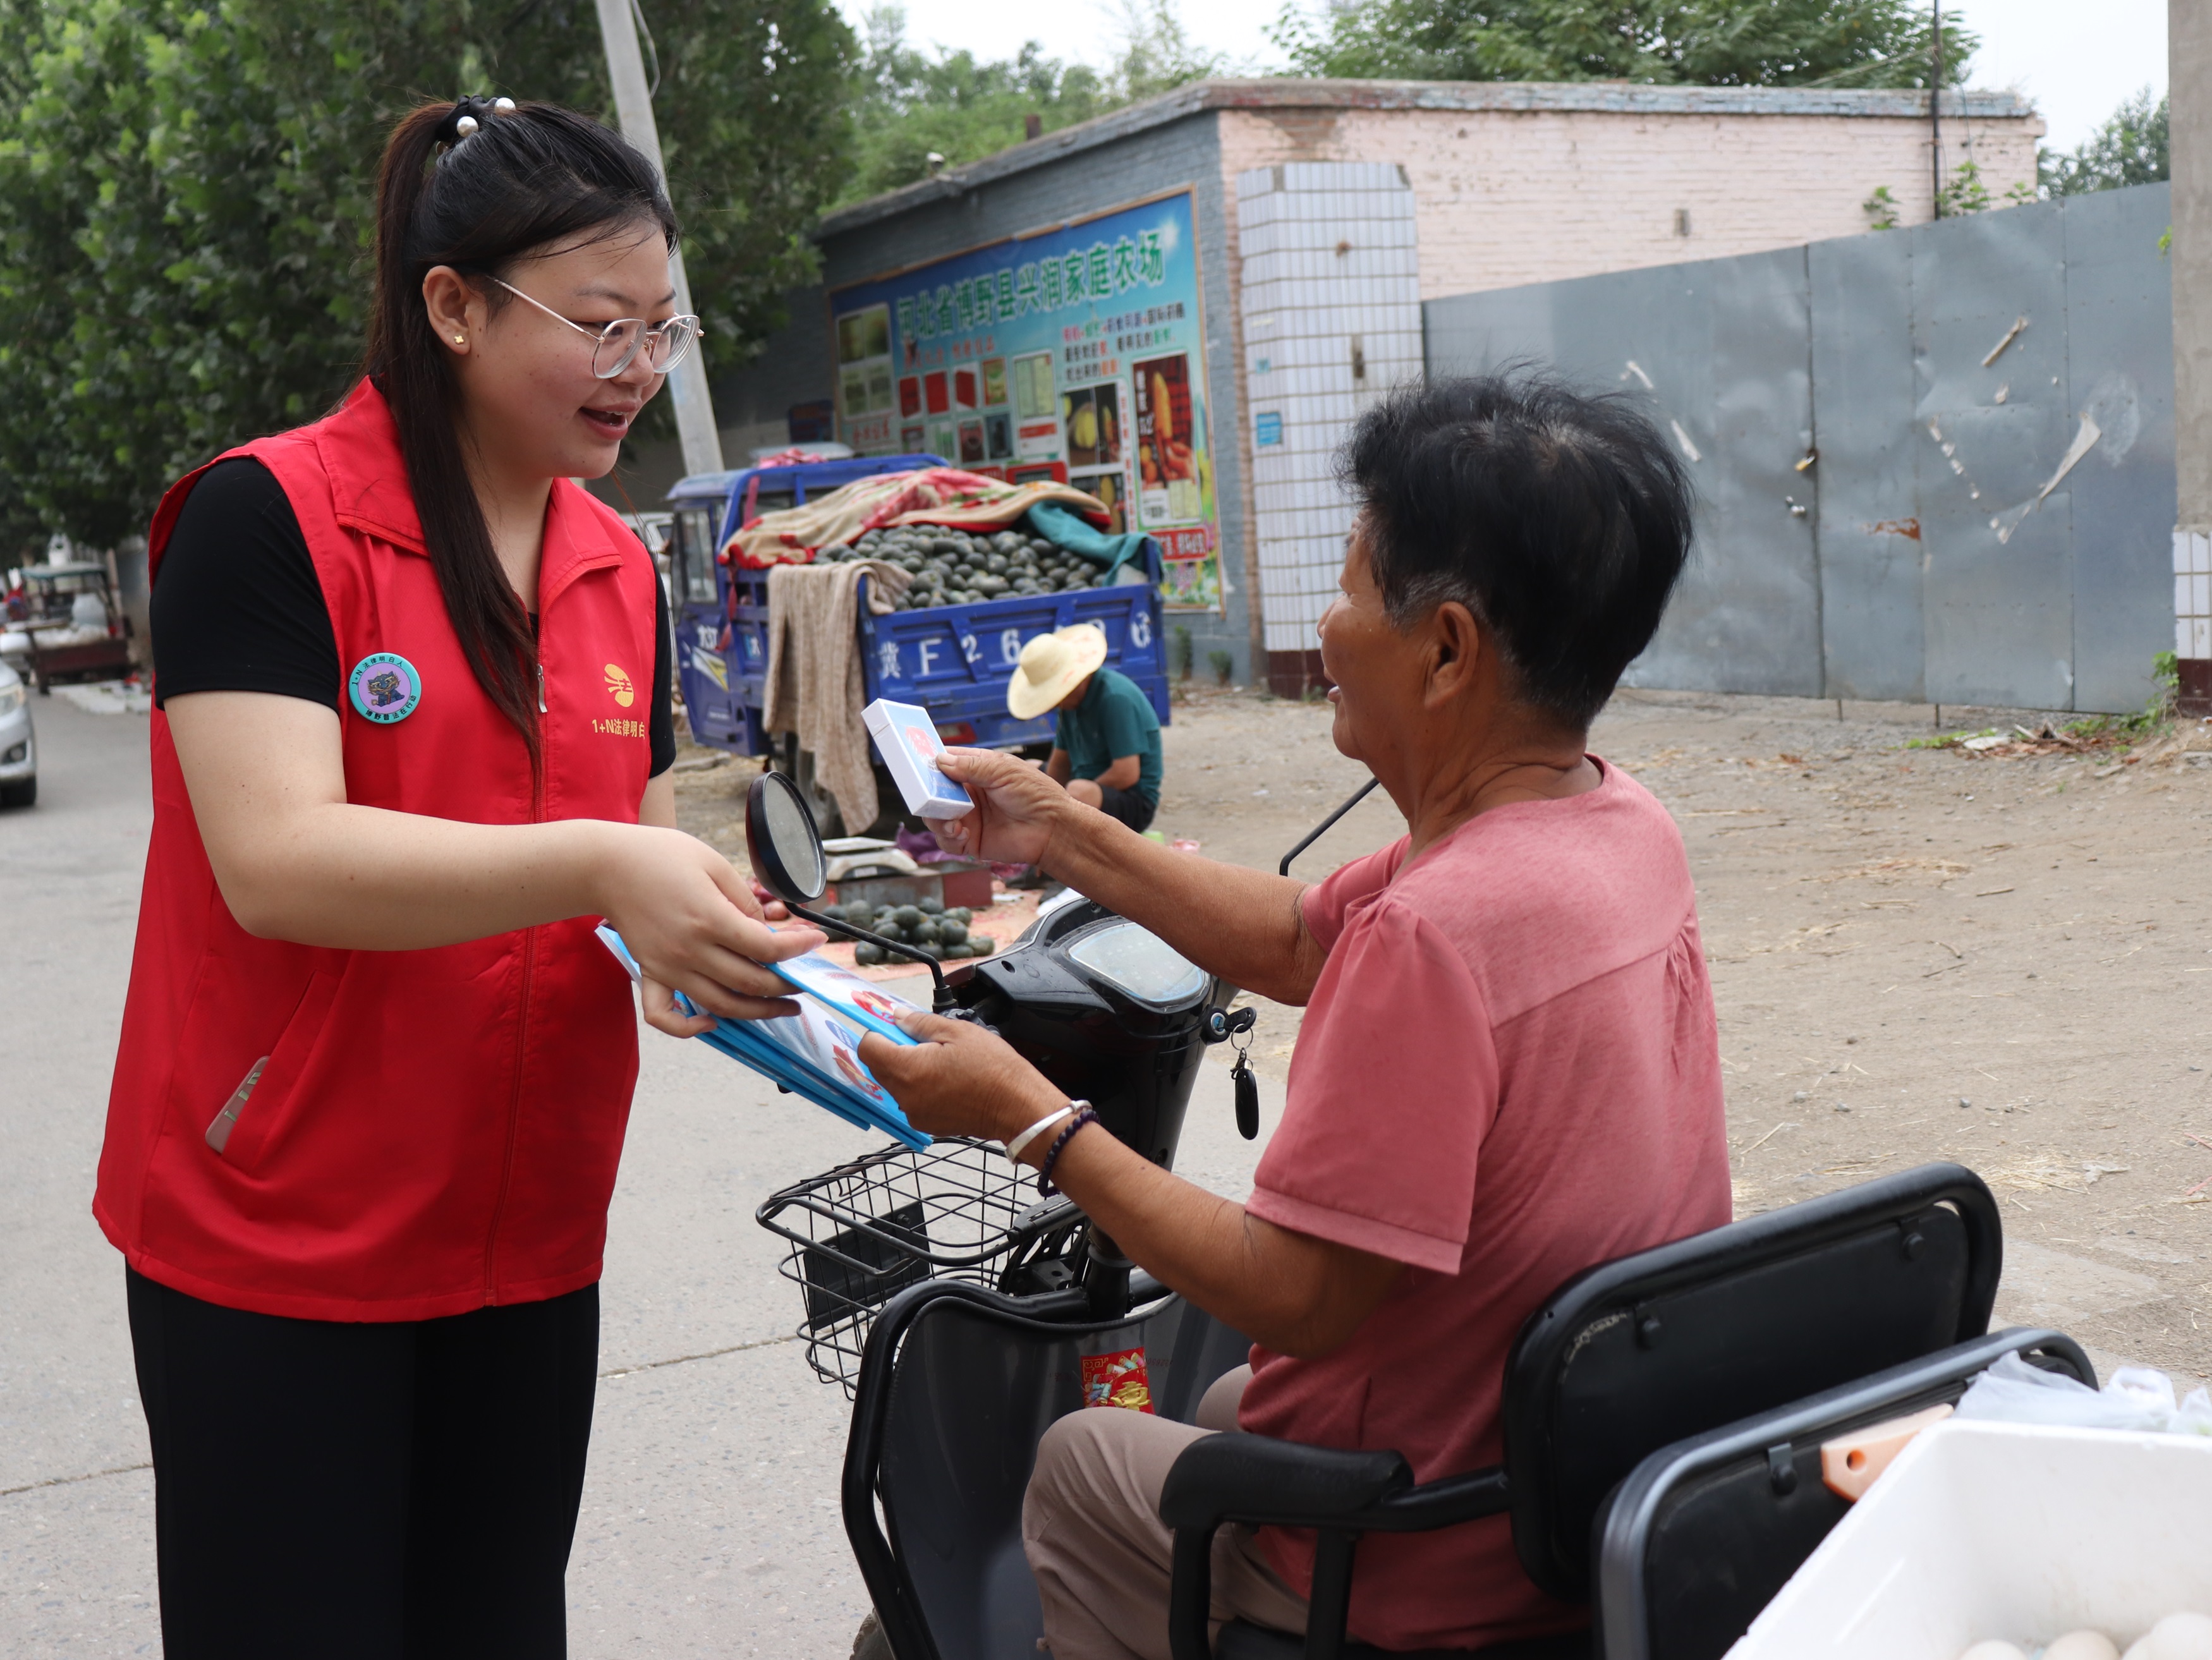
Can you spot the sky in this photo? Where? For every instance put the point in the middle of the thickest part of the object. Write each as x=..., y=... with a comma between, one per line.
x=2076, y=61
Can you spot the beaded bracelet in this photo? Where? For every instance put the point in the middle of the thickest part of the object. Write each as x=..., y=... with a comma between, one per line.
x=1087, y=1116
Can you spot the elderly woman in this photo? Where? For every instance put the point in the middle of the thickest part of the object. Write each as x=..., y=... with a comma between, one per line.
x=1508, y=1069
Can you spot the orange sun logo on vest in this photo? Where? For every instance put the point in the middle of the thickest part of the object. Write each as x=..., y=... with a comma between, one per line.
x=618, y=683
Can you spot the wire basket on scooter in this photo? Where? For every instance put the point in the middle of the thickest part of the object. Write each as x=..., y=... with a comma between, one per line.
x=861, y=1233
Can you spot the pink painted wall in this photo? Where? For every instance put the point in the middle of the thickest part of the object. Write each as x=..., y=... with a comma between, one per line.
x=1507, y=197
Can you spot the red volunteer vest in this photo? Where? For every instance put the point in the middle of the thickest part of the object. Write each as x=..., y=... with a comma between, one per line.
x=425, y=1131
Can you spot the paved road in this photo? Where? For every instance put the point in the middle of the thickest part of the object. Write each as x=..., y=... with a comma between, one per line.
x=709, y=1523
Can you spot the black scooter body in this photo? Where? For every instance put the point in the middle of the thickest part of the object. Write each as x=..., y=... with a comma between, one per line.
x=979, y=1307
x=959, y=1386
x=1126, y=1037
x=959, y=1381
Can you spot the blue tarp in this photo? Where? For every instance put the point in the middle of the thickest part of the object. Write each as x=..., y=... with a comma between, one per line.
x=1064, y=529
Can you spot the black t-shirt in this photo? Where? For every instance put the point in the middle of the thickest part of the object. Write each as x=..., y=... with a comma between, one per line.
x=237, y=607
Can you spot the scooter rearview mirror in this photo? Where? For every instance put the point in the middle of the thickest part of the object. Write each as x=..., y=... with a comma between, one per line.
x=787, y=858
x=780, y=834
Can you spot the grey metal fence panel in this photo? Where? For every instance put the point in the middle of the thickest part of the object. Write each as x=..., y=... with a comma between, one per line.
x=1715, y=350
x=1868, y=528
x=1650, y=333
x=1992, y=412
x=1472, y=333
x=2120, y=327
x=1751, y=598
x=1950, y=552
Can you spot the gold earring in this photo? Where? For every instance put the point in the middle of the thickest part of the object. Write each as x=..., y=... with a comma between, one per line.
x=460, y=340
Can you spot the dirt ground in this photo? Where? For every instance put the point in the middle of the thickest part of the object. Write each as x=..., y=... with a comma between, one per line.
x=1917, y=953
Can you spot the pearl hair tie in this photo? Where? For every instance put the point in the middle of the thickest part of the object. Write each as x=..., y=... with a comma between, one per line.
x=465, y=119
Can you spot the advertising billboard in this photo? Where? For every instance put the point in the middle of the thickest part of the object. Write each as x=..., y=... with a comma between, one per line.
x=1079, y=349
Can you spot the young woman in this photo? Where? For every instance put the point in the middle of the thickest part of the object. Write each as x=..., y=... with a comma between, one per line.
x=411, y=744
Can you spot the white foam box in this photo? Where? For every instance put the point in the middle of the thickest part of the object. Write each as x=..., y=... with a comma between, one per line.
x=906, y=737
x=2017, y=1531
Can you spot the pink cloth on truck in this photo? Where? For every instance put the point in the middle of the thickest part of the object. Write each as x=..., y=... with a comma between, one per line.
x=1509, y=1071
x=929, y=496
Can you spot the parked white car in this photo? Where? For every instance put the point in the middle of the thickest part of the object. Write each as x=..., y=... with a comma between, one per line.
x=19, y=745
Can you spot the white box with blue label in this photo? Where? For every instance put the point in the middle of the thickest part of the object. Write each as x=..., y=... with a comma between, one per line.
x=906, y=737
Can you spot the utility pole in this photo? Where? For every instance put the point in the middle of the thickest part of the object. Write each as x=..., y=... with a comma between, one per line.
x=1935, y=113
x=694, y=404
x=2189, y=78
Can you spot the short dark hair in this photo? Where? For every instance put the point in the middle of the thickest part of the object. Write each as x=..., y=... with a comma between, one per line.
x=1560, y=520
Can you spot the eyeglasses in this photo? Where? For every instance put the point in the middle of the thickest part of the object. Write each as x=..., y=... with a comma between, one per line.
x=616, y=347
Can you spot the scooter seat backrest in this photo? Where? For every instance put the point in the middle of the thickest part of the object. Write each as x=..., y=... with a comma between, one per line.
x=1704, y=1533
x=1638, y=1353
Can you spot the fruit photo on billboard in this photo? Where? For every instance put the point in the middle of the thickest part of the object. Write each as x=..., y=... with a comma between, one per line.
x=1163, y=420
x=864, y=335
x=1090, y=416
x=1108, y=488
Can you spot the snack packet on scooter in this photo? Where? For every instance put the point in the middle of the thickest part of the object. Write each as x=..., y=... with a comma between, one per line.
x=1119, y=1379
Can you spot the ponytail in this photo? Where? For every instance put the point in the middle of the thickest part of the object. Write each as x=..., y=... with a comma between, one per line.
x=465, y=187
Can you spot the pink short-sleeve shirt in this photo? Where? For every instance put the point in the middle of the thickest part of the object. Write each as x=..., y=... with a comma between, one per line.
x=1509, y=1071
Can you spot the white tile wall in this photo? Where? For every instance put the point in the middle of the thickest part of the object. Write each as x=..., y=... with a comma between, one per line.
x=2193, y=593
x=1330, y=255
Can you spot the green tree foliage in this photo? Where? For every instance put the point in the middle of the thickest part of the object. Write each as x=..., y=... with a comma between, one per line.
x=2130, y=148
x=1967, y=192
x=1717, y=43
x=1158, y=55
x=186, y=203
x=911, y=105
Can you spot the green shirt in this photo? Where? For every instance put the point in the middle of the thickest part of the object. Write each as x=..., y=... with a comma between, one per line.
x=1115, y=718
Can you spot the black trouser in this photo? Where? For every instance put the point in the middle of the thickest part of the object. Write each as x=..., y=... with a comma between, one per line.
x=1131, y=808
x=355, y=1492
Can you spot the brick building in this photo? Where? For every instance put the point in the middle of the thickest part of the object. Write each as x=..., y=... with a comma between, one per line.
x=1318, y=215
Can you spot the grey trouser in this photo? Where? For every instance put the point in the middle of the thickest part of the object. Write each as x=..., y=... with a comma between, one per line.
x=1091, y=1530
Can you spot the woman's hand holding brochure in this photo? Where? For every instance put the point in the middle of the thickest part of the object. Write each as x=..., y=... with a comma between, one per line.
x=815, y=1053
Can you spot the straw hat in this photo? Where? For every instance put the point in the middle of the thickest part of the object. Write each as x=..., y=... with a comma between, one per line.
x=1051, y=665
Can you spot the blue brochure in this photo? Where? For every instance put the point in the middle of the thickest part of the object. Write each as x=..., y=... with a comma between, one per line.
x=814, y=1053
x=847, y=992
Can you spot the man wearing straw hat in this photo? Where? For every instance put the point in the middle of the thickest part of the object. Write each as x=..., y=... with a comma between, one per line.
x=1106, y=739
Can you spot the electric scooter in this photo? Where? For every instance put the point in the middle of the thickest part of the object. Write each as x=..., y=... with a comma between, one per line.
x=1110, y=1014
x=1665, y=1414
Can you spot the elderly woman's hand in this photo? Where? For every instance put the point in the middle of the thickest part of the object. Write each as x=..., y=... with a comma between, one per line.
x=1017, y=807
x=959, y=1080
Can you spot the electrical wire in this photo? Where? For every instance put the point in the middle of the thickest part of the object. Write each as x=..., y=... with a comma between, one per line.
x=645, y=29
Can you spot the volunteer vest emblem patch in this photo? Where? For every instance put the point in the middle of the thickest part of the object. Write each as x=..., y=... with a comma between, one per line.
x=384, y=688
x=618, y=683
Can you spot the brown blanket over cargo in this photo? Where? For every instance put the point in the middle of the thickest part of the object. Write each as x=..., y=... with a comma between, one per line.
x=815, y=686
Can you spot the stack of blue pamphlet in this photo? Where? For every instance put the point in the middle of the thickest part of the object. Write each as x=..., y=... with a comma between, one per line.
x=814, y=1053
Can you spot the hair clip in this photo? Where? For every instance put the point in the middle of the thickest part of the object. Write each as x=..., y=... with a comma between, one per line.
x=468, y=116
